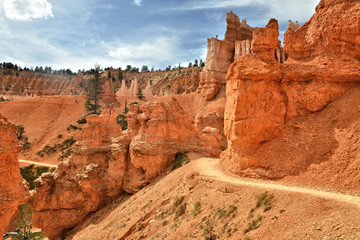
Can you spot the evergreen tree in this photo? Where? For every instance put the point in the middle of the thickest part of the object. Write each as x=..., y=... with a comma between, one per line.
x=190, y=64
x=95, y=89
x=196, y=64
x=139, y=94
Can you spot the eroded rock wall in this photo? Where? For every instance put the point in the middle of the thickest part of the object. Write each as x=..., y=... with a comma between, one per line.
x=264, y=97
x=221, y=53
x=106, y=162
x=14, y=190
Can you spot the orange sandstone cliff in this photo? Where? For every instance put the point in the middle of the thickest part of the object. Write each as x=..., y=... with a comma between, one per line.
x=269, y=116
x=14, y=190
x=107, y=162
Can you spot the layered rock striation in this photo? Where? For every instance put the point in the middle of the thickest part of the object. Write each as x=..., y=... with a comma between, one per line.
x=265, y=97
x=14, y=190
x=239, y=40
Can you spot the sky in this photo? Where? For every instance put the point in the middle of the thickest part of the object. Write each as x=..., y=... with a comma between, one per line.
x=80, y=33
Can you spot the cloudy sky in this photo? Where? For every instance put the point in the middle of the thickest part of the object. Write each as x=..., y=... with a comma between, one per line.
x=79, y=33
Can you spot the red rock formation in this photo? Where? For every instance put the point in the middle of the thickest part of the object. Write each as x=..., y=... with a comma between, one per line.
x=264, y=95
x=148, y=92
x=219, y=57
x=104, y=162
x=14, y=190
x=221, y=53
x=83, y=183
x=160, y=132
x=109, y=96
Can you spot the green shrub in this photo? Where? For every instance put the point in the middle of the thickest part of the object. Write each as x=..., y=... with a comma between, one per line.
x=19, y=131
x=72, y=127
x=254, y=224
x=65, y=153
x=121, y=120
x=31, y=173
x=67, y=143
x=265, y=200
x=195, y=208
x=133, y=103
x=181, y=159
x=176, y=201
x=59, y=136
x=82, y=121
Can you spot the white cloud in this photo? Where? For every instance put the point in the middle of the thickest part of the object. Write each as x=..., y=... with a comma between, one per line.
x=160, y=49
x=27, y=9
x=138, y=3
x=282, y=10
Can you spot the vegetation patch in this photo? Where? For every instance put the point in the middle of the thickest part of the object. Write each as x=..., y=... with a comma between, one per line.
x=254, y=224
x=265, y=200
x=65, y=153
x=225, y=211
x=121, y=120
x=181, y=159
x=67, y=143
x=31, y=173
x=82, y=121
x=72, y=127
x=196, y=208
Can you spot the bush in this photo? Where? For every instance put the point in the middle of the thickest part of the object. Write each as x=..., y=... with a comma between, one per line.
x=19, y=131
x=265, y=200
x=181, y=159
x=65, y=153
x=72, y=127
x=82, y=121
x=59, y=136
x=121, y=120
x=254, y=224
x=31, y=173
x=133, y=103
x=67, y=143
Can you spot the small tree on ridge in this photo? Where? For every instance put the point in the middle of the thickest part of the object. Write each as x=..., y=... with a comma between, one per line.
x=94, y=92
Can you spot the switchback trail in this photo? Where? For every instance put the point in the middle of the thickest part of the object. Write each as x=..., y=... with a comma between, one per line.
x=210, y=167
x=37, y=163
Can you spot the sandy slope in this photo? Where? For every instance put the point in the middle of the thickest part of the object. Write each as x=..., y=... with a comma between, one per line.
x=296, y=212
x=44, y=119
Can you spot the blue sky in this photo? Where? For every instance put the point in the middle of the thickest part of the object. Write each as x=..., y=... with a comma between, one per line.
x=79, y=33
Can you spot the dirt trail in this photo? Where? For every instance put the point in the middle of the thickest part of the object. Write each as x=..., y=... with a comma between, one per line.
x=37, y=163
x=210, y=167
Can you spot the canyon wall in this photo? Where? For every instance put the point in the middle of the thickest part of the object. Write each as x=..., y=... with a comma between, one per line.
x=266, y=99
x=14, y=190
x=221, y=54
x=107, y=162
x=27, y=84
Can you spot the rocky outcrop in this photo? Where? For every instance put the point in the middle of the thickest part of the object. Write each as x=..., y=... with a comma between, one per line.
x=106, y=162
x=108, y=97
x=147, y=92
x=239, y=41
x=221, y=53
x=14, y=190
x=264, y=96
x=162, y=130
x=93, y=175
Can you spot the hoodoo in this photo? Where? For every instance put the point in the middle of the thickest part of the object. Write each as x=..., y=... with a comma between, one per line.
x=265, y=97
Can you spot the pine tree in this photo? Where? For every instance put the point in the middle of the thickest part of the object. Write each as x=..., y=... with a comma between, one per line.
x=139, y=94
x=95, y=89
